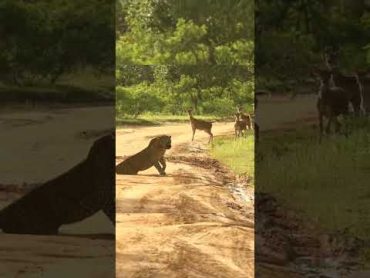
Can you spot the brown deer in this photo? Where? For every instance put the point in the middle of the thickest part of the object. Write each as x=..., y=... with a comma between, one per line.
x=239, y=126
x=245, y=117
x=200, y=125
x=351, y=84
x=331, y=102
x=353, y=87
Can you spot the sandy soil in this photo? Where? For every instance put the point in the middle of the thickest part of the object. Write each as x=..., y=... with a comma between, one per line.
x=190, y=223
x=36, y=146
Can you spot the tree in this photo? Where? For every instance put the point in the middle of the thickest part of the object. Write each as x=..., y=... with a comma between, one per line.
x=173, y=89
x=41, y=40
x=186, y=32
x=292, y=36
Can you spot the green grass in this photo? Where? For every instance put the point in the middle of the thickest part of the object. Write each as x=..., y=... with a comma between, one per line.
x=158, y=119
x=237, y=154
x=328, y=182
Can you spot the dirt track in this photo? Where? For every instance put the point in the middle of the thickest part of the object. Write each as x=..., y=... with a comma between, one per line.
x=191, y=223
x=36, y=146
x=280, y=112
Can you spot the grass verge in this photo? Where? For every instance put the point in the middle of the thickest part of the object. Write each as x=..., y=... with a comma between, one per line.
x=327, y=182
x=237, y=154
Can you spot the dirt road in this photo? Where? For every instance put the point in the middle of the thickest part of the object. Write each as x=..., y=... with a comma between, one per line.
x=195, y=222
x=38, y=145
x=280, y=112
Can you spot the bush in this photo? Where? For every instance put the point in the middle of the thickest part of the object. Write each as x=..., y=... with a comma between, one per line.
x=219, y=106
x=135, y=101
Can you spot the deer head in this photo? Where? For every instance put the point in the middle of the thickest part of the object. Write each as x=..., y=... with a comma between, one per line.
x=330, y=58
x=323, y=74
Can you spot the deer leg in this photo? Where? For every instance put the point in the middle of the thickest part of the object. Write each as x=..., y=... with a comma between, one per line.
x=356, y=104
x=330, y=119
x=321, y=125
x=337, y=125
x=327, y=130
x=210, y=136
x=192, y=139
x=346, y=123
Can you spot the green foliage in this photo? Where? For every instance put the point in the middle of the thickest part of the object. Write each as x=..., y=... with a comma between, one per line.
x=136, y=100
x=189, y=38
x=221, y=106
x=185, y=32
x=213, y=90
x=42, y=40
x=292, y=36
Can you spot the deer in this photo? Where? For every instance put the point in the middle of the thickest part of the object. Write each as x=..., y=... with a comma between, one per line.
x=350, y=83
x=332, y=102
x=245, y=117
x=200, y=125
x=239, y=126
